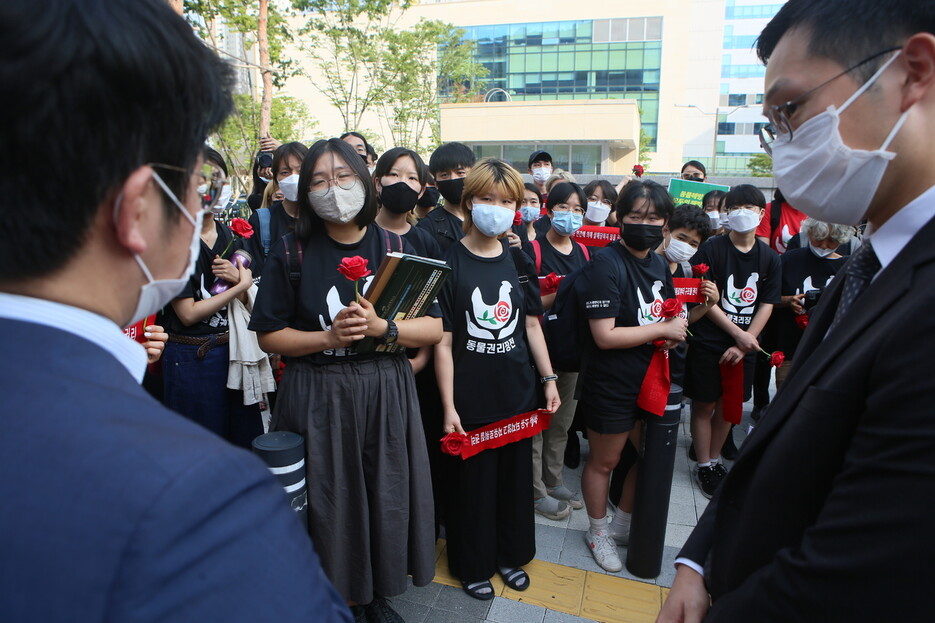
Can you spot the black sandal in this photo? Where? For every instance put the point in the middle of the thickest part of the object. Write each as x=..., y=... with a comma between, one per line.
x=517, y=579
x=473, y=589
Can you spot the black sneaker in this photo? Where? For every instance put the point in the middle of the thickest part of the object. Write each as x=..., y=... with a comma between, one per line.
x=708, y=479
x=720, y=469
x=729, y=449
x=379, y=611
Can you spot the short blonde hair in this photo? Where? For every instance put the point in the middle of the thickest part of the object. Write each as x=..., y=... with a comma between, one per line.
x=489, y=173
x=559, y=175
x=271, y=187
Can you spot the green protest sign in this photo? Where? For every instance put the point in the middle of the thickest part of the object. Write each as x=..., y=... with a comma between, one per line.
x=687, y=191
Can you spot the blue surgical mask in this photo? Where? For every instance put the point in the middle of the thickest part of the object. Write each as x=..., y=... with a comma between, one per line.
x=530, y=213
x=492, y=220
x=566, y=223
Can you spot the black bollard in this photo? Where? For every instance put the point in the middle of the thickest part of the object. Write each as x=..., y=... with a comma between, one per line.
x=653, y=486
x=284, y=453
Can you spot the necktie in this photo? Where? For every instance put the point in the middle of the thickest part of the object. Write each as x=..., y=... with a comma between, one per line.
x=859, y=272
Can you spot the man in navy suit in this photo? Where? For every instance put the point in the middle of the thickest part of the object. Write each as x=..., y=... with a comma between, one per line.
x=827, y=512
x=111, y=507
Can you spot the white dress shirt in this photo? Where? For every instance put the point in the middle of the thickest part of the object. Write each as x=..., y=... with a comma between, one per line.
x=79, y=322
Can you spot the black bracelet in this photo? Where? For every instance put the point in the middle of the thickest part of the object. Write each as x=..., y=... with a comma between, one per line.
x=546, y=379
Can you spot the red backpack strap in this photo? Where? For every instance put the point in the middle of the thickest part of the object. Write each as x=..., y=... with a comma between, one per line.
x=584, y=249
x=537, y=254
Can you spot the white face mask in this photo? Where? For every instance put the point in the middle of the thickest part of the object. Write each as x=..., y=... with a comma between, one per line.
x=723, y=221
x=597, y=212
x=679, y=251
x=715, y=218
x=290, y=187
x=372, y=169
x=819, y=252
x=823, y=177
x=541, y=175
x=223, y=199
x=743, y=220
x=265, y=179
x=157, y=293
x=338, y=205
x=491, y=220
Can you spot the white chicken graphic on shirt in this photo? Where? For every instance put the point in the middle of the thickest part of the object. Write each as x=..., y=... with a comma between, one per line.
x=333, y=300
x=495, y=321
x=740, y=300
x=650, y=311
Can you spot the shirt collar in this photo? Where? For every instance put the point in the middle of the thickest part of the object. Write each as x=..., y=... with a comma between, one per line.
x=896, y=232
x=79, y=322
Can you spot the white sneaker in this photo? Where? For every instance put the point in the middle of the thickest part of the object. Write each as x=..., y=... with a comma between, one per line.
x=604, y=551
x=620, y=538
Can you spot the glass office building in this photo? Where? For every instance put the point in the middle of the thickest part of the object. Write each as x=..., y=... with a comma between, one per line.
x=581, y=59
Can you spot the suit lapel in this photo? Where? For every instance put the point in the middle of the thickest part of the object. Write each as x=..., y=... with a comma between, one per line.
x=819, y=351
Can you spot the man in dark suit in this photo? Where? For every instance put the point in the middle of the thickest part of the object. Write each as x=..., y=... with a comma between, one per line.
x=113, y=508
x=826, y=515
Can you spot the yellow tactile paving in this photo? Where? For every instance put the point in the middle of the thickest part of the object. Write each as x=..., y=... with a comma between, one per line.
x=617, y=600
x=596, y=596
x=552, y=586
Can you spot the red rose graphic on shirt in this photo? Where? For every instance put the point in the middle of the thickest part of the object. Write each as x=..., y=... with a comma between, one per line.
x=502, y=311
x=656, y=308
x=748, y=295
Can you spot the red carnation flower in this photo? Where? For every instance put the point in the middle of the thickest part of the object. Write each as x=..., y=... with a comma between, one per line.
x=517, y=218
x=671, y=308
x=700, y=270
x=355, y=269
x=452, y=443
x=801, y=321
x=638, y=170
x=241, y=227
x=775, y=359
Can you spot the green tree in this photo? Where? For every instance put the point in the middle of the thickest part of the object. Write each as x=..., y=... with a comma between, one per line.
x=366, y=63
x=237, y=137
x=761, y=165
x=642, y=155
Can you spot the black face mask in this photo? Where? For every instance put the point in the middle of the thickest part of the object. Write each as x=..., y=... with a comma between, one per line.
x=642, y=236
x=451, y=189
x=429, y=198
x=398, y=198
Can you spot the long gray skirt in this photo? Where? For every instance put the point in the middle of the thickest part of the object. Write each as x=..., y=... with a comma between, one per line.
x=370, y=511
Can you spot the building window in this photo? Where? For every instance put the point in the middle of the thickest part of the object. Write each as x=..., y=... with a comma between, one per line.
x=577, y=159
x=599, y=59
x=743, y=71
x=763, y=11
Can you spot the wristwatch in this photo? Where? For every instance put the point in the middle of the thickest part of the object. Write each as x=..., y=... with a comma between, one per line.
x=392, y=332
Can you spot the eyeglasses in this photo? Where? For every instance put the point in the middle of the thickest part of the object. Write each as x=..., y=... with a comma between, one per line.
x=564, y=207
x=209, y=179
x=344, y=180
x=778, y=114
x=605, y=202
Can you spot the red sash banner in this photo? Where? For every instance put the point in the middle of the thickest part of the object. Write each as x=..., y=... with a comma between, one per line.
x=594, y=236
x=499, y=433
x=732, y=391
x=654, y=392
x=688, y=290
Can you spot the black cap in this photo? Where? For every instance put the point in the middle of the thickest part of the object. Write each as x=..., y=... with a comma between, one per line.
x=539, y=155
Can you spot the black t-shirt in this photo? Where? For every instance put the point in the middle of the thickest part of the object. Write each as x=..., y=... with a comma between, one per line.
x=744, y=280
x=322, y=291
x=554, y=261
x=444, y=226
x=801, y=272
x=631, y=291
x=542, y=225
x=280, y=224
x=199, y=284
x=424, y=243
x=484, y=305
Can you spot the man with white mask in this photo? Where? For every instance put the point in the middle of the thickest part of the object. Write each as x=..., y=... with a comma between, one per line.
x=120, y=508
x=820, y=518
x=540, y=168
